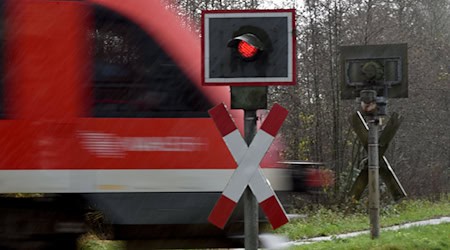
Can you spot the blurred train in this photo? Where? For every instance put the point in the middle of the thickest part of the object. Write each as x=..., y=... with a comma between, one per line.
x=101, y=109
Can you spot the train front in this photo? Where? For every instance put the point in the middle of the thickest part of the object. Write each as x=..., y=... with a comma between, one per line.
x=102, y=100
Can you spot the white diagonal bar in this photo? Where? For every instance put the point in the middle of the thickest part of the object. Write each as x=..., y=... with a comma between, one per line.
x=260, y=186
x=248, y=165
x=258, y=183
x=236, y=145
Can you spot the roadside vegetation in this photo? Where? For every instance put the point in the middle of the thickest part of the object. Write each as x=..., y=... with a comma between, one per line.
x=434, y=237
x=322, y=221
x=92, y=242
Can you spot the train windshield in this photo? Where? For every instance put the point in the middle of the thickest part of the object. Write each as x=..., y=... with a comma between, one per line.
x=134, y=76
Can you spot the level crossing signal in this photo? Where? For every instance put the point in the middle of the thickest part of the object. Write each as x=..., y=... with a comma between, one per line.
x=382, y=68
x=248, y=47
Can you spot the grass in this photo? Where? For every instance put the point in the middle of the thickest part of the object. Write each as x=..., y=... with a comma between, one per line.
x=91, y=242
x=414, y=210
x=324, y=222
x=435, y=237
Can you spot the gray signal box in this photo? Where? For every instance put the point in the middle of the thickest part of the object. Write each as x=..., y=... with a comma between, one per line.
x=374, y=67
x=269, y=32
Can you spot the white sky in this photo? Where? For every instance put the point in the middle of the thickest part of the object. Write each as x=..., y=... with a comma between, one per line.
x=278, y=4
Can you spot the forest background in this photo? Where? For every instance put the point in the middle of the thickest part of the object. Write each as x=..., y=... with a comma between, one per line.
x=317, y=128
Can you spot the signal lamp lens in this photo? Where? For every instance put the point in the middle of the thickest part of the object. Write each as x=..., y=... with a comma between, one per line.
x=246, y=50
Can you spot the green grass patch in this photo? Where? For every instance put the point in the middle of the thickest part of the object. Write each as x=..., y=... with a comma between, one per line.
x=91, y=242
x=433, y=237
x=325, y=221
x=414, y=210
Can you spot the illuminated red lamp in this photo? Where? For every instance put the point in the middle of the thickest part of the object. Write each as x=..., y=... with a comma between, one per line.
x=247, y=45
x=246, y=50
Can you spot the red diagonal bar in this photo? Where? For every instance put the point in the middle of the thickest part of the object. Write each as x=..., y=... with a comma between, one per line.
x=274, y=212
x=274, y=120
x=222, y=211
x=223, y=119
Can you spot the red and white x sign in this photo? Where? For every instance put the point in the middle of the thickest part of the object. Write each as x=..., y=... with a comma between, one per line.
x=248, y=171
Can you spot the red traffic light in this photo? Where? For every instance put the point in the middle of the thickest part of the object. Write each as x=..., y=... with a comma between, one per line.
x=248, y=45
x=247, y=50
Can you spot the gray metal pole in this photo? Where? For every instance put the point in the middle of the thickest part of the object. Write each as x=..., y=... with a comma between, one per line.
x=250, y=203
x=374, y=186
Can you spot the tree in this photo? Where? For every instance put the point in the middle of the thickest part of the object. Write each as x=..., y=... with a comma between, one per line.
x=317, y=128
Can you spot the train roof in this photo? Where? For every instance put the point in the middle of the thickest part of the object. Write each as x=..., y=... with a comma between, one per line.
x=182, y=45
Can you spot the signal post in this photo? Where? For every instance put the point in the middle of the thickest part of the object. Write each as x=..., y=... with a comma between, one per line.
x=249, y=50
x=372, y=74
x=369, y=107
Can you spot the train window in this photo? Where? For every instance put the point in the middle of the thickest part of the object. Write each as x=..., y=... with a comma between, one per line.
x=134, y=77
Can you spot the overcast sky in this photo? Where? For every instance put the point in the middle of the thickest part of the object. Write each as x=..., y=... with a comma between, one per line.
x=277, y=4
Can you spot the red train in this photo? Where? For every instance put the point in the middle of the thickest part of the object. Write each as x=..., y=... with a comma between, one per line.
x=101, y=103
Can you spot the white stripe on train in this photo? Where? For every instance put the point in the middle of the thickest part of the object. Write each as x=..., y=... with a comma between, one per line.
x=128, y=180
